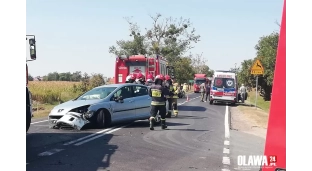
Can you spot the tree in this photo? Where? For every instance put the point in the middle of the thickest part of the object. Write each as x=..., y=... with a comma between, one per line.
x=183, y=69
x=244, y=75
x=30, y=78
x=168, y=37
x=96, y=80
x=266, y=53
x=199, y=65
x=131, y=47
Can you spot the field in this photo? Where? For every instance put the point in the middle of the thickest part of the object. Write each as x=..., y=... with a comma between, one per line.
x=264, y=105
x=54, y=91
x=47, y=94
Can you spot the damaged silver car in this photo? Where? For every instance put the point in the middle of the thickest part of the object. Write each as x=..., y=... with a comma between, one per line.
x=103, y=106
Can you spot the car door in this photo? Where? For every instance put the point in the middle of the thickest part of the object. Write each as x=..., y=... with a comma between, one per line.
x=142, y=101
x=125, y=110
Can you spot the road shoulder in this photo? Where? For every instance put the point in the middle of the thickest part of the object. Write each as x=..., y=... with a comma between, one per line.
x=248, y=119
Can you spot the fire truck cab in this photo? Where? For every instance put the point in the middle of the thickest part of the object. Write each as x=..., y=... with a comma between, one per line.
x=125, y=65
x=32, y=51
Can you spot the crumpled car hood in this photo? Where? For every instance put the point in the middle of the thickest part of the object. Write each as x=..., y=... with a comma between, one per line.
x=77, y=103
x=63, y=108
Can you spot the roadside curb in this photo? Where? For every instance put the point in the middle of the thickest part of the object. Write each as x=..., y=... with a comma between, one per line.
x=230, y=118
x=251, y=104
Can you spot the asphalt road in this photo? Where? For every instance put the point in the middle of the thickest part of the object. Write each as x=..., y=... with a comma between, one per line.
x=196, y=140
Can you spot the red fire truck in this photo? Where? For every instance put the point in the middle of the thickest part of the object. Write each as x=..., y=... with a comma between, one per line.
x=125, y=65
x=32, y=51
x=198, y=80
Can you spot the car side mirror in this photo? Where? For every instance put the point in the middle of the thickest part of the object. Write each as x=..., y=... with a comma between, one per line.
x=32, y=48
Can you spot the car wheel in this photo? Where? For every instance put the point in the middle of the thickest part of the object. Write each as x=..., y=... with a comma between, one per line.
x=100, y=119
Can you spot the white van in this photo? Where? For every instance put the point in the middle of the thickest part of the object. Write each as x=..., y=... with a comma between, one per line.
x=223, y=87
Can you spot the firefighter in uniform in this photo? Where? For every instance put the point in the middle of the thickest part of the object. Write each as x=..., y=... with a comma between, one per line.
x=158, y=93
x=149, y=80
x=140, y=79
x=168, y=84
x=130, y=78
x=176, y=91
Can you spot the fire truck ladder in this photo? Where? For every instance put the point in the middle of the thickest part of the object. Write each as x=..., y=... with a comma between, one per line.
x=151, y=65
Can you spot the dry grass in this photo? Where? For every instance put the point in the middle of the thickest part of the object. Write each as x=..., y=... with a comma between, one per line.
x=42, y=110
x=265, y=105
x=47, y=94
x=258, y=117
x=53, y=91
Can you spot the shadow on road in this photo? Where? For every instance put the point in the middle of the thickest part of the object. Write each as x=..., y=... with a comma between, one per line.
x=192, y=108
x=188, y=130
x=189, y=117
x=143, y=124
x=77, y=158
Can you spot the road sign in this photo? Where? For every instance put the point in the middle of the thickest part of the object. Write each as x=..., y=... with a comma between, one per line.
x=257, y=68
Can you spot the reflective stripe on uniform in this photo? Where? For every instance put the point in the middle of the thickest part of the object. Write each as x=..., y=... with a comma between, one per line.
x=162, y=119
x=156, y=93
x=157, y=103
x=175, y=111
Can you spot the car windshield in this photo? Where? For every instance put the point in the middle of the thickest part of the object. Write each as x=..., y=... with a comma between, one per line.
x=97, y=93
x=199, y=82
x=224, y=83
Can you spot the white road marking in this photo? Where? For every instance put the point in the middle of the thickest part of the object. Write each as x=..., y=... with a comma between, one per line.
x=226, y=160
x=98, y=136
x=226, y=151
x=226, y=122
x=226, y=142
x=225, y=170
x=80, y=139
x=50, y=152
x=39, y=122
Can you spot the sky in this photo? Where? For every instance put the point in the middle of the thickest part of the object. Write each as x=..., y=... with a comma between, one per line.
x=74, y=35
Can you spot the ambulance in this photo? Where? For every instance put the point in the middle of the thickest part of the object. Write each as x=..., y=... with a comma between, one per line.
x=223, y=87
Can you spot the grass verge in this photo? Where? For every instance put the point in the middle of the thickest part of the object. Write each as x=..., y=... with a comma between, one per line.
x=264, y=105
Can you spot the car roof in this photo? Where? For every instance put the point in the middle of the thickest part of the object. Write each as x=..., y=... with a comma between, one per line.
x=120, y=85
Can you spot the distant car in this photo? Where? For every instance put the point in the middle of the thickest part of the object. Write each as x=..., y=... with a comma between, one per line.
x=103, y=106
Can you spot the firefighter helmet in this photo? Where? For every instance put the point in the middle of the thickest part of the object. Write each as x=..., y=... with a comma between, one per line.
x=159, y=77
x=149, y=77
x=167, y=77
x=130, y=77
x=140, y=76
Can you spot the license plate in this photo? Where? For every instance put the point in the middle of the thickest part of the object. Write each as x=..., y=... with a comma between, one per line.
x=220, y=89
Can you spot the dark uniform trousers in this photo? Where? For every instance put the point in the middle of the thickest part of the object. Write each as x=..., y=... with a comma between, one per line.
x=158, y=105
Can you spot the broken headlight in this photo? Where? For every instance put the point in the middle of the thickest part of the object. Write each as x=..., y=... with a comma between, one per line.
x=89, y=113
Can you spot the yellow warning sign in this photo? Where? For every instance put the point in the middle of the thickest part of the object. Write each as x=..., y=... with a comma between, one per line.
x=257, y=68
